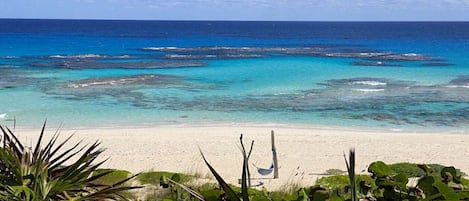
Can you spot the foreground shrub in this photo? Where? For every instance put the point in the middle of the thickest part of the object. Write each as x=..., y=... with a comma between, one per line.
x=114, y=176
x=413, y=170
x=46, y=172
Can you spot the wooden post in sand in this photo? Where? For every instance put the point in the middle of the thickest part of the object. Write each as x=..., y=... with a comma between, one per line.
x=274, y=153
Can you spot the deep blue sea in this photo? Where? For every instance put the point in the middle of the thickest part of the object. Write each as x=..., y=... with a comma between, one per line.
x=396, y=75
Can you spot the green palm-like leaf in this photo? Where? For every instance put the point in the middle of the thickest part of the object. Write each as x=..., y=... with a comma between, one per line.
x=230, y=193
x=47, y=173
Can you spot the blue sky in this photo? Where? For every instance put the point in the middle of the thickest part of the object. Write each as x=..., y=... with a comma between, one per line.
x=310, y=10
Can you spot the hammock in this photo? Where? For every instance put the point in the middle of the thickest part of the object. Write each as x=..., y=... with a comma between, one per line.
x=265, y=171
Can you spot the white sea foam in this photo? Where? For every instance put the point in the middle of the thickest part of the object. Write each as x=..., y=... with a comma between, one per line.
x=3, y=116
x=110, y=82
x=122, y=57
x=370, y=83
x=160, y=48
x=57, y=56
x=82, y=85
x=79, y=56
x=369, y=90
x=411, y=55
x=458, y=86
x=371, y=54
x=177, y=56
x=8, y=57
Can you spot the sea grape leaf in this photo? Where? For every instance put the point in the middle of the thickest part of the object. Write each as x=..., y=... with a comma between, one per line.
x=463, y=195
x=448, y=174
x=426, y=184
x=212, y=194
x=446, y=191
x=317, y=193
x=364, y=187
x=259, y=198
x=176, y=177
x=320, y=196
x=302, y=196
x=401, y=180
x=425, y=168
x=384, y=182
x=390, y=194
x=380, y=169
x=335, y=198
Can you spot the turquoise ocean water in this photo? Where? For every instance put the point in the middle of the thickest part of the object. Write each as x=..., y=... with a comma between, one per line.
x=409, y=75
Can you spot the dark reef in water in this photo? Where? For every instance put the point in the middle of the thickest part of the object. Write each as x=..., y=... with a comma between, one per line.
x=91, y=64
x=373, y=57
x=461, y=81
x=315, y=51
x=11, y=79
x=378, y=99
x=123, y=89
x=145, y=79
x=182, y=57
x=374, y=63
x=362, y=98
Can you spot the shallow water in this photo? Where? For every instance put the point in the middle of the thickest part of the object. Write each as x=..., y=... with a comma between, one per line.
x=110, y=73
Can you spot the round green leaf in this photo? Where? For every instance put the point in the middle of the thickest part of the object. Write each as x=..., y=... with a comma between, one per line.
x=380, y=169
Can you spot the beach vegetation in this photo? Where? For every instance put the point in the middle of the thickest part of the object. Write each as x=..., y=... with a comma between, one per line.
x=412, y=169
x=49, y=171
x=156, y=178
x=112, y=177
x=381, y=182
x=350, y=163
x=400, y=181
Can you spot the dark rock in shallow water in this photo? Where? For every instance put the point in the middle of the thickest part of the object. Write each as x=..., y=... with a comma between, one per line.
x=461, y=81
x=379, y=117
x=131, y=90
x=91, y=64
x=315, y=51
x=13, y=80
x=368, y=82
x=145, y=79
x=374, y=63
x=122, y=89
x=211, y=56
x=350, y=54
x=430, y=64
x=6, y=66
x=401, y=57
x=89, y=56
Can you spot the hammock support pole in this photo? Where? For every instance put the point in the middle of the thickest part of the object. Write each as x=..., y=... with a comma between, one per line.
x=274, y=154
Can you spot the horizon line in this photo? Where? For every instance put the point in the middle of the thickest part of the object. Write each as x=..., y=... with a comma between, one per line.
x=228, y=20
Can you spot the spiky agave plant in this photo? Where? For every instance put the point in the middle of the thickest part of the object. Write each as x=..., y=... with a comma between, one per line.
x=50, y=172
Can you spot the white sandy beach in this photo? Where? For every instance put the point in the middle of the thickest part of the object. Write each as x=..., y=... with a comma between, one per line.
x=303, y=152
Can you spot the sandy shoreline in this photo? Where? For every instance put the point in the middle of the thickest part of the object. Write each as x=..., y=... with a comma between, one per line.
x=303, y=151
